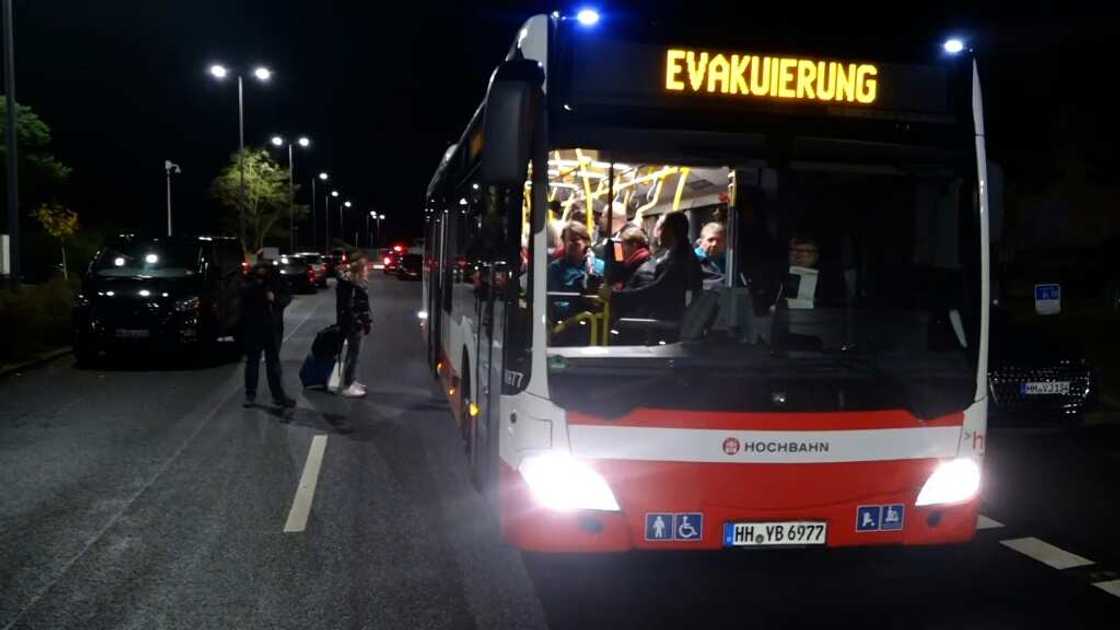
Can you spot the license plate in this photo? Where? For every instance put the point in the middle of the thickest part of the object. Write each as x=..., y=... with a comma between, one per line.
x=126, y=333
x=1047, y=387
x=775, y=533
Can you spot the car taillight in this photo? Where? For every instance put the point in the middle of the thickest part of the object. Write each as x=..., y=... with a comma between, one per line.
x=387, y=261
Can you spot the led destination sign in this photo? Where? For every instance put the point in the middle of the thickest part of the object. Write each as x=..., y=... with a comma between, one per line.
x=750, y=76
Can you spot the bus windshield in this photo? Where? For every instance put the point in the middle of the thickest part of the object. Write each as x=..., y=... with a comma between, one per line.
x=806, y=259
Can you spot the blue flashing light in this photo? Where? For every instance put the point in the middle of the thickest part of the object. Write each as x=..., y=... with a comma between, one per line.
x=953, y=46
x=588, y=17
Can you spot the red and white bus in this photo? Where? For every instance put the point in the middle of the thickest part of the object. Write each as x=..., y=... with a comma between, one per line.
x=822, y=384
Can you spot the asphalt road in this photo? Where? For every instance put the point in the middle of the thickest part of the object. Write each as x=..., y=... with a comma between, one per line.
x=142, y=495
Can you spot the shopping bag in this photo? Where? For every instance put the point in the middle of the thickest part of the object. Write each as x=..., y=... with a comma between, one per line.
x=335, y=382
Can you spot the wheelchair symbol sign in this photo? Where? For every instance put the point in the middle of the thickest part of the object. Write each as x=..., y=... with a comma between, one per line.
x=674, y=526
x=688, y=526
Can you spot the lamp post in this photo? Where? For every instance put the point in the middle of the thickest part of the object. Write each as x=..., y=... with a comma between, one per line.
x=304, y=141
x=262, y=74
x=380, y=218
x=342, y=219
x=169, y=167
x=314, y=235
x=327, y=219
x=11, y=142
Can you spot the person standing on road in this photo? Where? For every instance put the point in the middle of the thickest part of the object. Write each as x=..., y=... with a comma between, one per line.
x=354, y=321
x=263, y=298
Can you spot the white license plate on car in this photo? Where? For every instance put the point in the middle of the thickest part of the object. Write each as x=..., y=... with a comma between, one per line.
x=130, y=333
x=775, y=533
x=1046, y=387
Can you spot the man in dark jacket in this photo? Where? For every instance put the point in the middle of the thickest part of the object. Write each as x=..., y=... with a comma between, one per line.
x=659, y=289
x=635, y=252
x=263, y=298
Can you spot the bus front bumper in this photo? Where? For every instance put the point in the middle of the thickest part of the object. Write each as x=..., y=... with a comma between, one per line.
x=691, y=490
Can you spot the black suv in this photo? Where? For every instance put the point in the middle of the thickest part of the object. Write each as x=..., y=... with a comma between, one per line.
x=176, y=293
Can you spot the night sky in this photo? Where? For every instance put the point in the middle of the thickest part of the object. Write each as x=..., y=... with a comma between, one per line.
x=382, y=89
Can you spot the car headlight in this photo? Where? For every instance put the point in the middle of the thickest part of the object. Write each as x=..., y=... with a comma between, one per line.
x=187, y=305
x=953, y=481
x=562, y=483
x=81, y=300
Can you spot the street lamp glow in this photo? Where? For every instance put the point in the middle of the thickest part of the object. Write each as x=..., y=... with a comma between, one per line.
x=218, y=71
x=304, y=141
x=277, y=141
x=334, y=193
x=347, y=204
x=383, y=217
x=953, y=46
x=323, y=176
x=588, y=17
x=262, y=73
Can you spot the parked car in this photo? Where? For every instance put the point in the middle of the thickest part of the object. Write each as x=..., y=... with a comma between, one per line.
x=1036, y=375
x=410, y=267
x=180, y=293
x=317, y=265
x=297, y=274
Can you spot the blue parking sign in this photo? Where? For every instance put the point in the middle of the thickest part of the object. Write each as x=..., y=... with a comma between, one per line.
x=868, y=518
x=688, y=526
x=659, y=526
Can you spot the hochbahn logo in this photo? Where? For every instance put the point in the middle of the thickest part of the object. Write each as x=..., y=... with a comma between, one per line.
x=731, y=446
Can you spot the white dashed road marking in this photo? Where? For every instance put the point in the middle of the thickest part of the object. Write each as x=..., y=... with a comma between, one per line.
x=1046, y=553
x=983, y=522
x=305, y=494
x=1112, y=587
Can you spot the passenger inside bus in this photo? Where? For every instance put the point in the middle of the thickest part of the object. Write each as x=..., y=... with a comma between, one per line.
x=635, y=253
x=578, y=269
x=674, y=275
x=606, y=233
x=711, y=251
x=806, y=285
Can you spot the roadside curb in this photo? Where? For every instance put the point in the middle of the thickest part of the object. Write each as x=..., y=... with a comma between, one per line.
x=42, y=358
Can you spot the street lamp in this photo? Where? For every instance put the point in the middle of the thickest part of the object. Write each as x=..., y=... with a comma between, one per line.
x=278, y=141
x=321, y=177
x=220, y=72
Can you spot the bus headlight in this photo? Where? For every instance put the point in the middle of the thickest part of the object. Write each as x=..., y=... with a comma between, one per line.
x=952, y=481
x=563, y=483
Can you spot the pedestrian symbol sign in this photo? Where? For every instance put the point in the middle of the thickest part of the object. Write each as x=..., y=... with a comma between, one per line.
x=659, y=526
x=678, y=526
x=867, y=518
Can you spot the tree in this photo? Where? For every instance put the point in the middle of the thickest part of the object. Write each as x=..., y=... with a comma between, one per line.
x=60, y=223
x=41, y=174
x=266, y=203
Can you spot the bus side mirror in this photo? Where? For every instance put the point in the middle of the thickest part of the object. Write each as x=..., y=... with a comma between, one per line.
x=507, y=128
